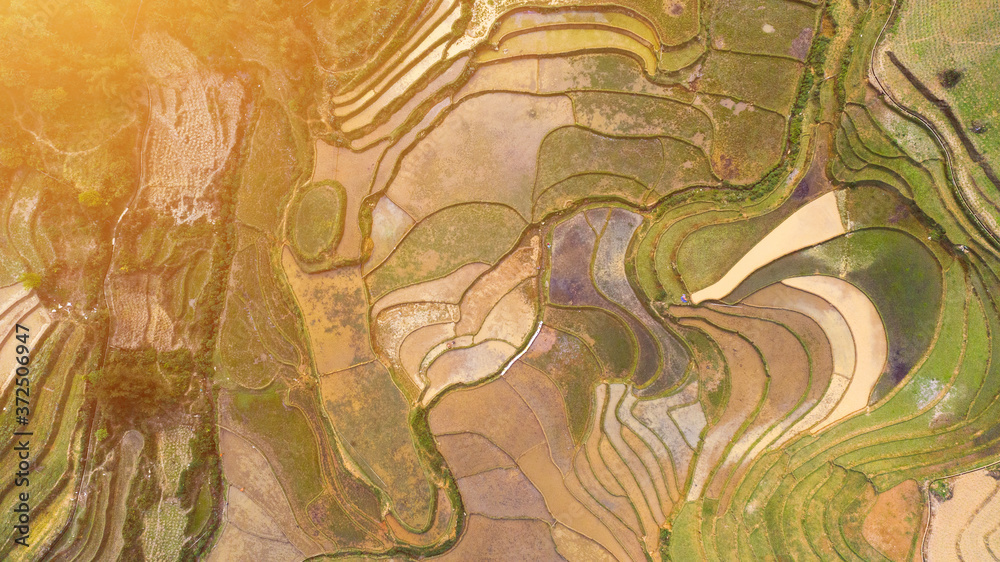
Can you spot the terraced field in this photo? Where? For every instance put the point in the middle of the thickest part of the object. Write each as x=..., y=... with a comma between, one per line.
x=500, y=280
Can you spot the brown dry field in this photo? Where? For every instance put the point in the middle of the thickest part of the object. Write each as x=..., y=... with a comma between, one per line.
x=390, y=224
x=893, y=522
x=471, y=453
x=677, y=456
x=503, y=493
x=392, y=154
x=513, y=540
x=622, y=518
x=335, y=311
x=817, y=221
x=235, y=545
x=592, y=446
x=788, y=371
x=652, y=465
x=690, y=420
x=512, y=319
x=649, y=525
x=870, y=341
x=466, y=366
x=566, y=509
x=449, y=289
x=649, y=439
x=546, y=403
x=950, y=519
x=456, y=344
x=625, y=537
x=835, y=329
x=246, y=468
x=245, y=514
x=979, y=539
x=838, y=334
x=493, y=410
x=418, y=343
x=786, y=360
x=394, y=324
x=486, y=494
x=489, y=288
x=435, y=175
x=812, y=339
x=574, y=546
x=617, y=503
x=816, y=345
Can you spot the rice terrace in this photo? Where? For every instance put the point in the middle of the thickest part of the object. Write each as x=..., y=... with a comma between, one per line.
x=500, y=280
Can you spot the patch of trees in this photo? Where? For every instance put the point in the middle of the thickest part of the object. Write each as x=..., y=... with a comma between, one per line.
x=72, y=72
x=139, y=385
x=950, y=78
x=66, y=66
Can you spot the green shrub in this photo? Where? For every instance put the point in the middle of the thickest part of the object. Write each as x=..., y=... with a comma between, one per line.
x=90, y=199
x=941, y=489
x=30, y=280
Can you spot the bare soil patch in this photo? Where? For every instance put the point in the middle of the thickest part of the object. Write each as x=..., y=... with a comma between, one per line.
x=245, y=467
x=334, y=307
x=502, y=540
x=893, y=522
x=493, y=410
x=502, y=493
x=466, y=365
x=501, y=133
x=471, y=453
x=449, y=289
x=951, y=518
x=542, y=395
x=567, y=510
